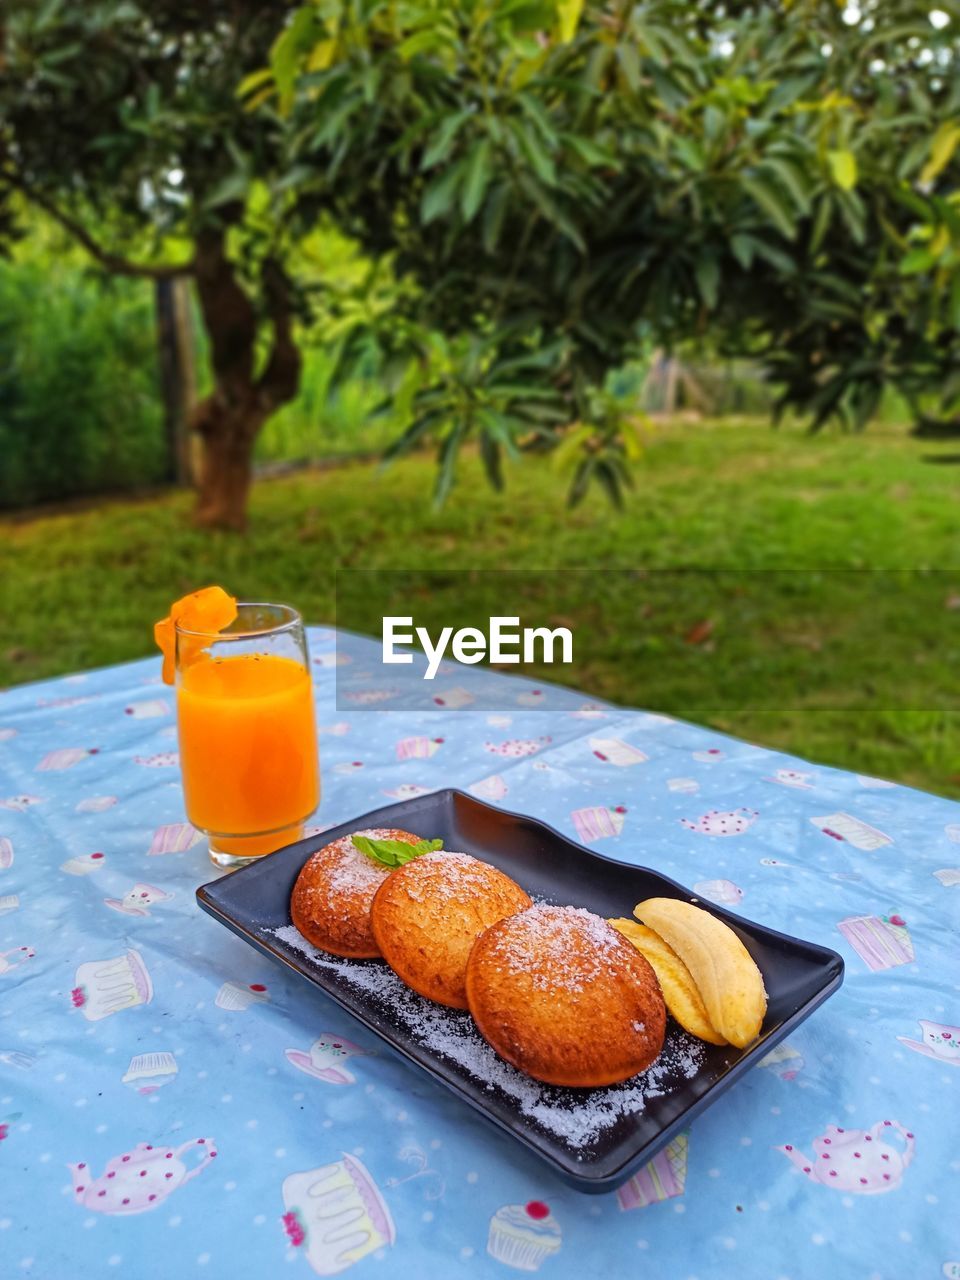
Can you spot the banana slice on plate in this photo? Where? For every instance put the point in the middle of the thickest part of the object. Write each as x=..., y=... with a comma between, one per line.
x=729, y=982
x=680, y=993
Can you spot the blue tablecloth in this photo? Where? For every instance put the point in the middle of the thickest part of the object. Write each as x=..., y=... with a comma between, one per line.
x=172, y=1104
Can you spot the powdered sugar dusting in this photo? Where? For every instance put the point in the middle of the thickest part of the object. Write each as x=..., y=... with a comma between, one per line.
x=576, y=1117
x=450, y=873
x=347, y=871
x=563, y=947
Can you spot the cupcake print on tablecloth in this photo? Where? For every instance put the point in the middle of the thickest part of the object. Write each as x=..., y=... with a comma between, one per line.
x=149, y=710
x=408, y=791
x=83, y=864
x=8, y=902
x=175, y=837
x=418, y=748
x=103, y=987
x=523, y=1236
x=598, y=822
x=882, y=942
x=792, y=778
x=590, y=711
x=453, y=699
x=948, y=876
x=493, y=788
x=149, y=1072
x=784, y=1061
x=64, y=758
x=336, y=1215
x=616, y=751
x=843, y=826
x=6, y=853
x=661, y=1179
x=683, y=786
x=95, y=804
x=235, y=996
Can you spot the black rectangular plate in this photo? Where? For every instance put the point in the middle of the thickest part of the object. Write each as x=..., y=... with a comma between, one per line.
x=254, y=903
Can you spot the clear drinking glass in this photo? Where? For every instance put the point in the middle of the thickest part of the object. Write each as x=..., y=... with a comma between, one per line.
x=248, y=736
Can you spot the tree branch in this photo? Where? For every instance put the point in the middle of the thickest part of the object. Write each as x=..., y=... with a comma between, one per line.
x=280, y=378
x=113, y=262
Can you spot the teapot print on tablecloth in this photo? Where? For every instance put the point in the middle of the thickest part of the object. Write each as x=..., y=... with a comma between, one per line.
x=715, y=823
x=856, y=1160
x=140, y=1179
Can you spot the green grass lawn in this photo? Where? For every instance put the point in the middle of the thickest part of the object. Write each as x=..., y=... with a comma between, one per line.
x=847, y=668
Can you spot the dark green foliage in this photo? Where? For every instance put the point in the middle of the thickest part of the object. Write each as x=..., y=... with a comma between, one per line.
x=778, y=178
x=79, y=410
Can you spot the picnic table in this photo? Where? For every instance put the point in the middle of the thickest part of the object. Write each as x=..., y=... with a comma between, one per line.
x=172, y=1103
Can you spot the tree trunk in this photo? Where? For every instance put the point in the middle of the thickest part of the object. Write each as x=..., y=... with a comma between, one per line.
x=230, y=418
x=225, y=467
x=177, y=374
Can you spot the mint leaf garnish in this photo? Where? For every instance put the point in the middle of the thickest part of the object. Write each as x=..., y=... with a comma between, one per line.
x=394, y=853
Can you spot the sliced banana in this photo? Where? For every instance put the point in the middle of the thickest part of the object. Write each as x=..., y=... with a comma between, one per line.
x=680, y=992
x=729, y=982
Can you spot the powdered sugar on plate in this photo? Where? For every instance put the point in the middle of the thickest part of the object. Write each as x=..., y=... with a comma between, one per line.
x=561, y=947
x=577, y=1117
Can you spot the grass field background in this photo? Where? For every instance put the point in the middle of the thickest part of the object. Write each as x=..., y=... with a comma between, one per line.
x=852, y=669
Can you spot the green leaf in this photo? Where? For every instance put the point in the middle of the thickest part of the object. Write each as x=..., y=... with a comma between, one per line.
x=394, y=853
x=955, y=301
x=690, y=153
x=475, y=180
x=490, y=454
x=767, y=197
x=549, y=208
x=294, y=40
x=447, y=465
x=443, y=139
x=233, y=187
x=568, y=18
x=493, y=215
x=539, y=159
x=942, y=146
x=916, y=262
x=793, y=179
x=255, y=80
x=843, y=168
x=423, y=42
x=854, y=215
x=629, y=61
x=821, y=223
x=439, y=195
x=589, y=150
x=707, y=273
x=742, y=246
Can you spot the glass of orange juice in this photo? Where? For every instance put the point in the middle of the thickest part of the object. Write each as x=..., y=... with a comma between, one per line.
x=248, y=737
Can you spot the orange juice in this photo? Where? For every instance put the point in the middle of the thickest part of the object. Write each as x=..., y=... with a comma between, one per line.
x=248, y=749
